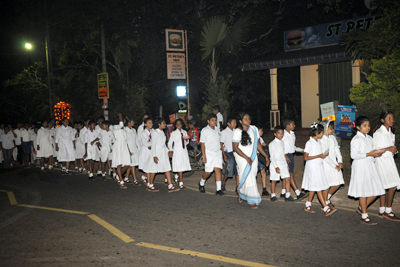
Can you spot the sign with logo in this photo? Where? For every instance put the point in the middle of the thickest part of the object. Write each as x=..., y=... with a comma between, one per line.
x=176, y=63
x=102, y=85
x=175, y=40
x=328, y=111
x=324, y=34
x=346, y=115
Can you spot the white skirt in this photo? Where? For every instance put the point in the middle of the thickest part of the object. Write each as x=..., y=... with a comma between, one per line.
x=144, y=156
x=162, y=165
x=120, y=155
x=314, y=179
x=387, y=170
x=80, y=150
x=66, y=152
x=333, y=176
x=46, y=150
x=365, y=180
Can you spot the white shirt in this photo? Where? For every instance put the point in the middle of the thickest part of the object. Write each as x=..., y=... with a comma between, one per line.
x=139, y=134
x=18, y=138
x=7, y=140
x=106, y=138
x=289, y=139
x=360, y=146
x=220, y=119
x=276, y=151
x=91, y=136
x=210, y=138
x=226, y=138
x=26, y=135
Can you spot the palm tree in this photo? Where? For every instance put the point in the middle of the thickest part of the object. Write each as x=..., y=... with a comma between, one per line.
x=215, y=38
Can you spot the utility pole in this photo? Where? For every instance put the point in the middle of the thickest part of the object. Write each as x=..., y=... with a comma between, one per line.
x=104, y=68
x=49, y=77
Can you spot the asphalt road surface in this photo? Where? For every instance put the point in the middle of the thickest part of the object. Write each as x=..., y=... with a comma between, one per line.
x=47, y=219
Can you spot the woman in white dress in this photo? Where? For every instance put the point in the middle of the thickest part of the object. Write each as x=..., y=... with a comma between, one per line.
x=365, y=182
x=65, y=145
x=333, y=163
x=120, y=152
x=384, y=138
x=245, y=145
x=145, y=150
x=177, y=145
x=80, y=147
x=131, y=138
x=314, y=179
x=159, y=159
x=44, y=146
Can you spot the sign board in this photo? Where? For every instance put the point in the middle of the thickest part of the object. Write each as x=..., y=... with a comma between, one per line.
x=329, y=110
x=346, y=115
x=175, y=40
x=176, y=63
x=324, y=34
x=102, y=85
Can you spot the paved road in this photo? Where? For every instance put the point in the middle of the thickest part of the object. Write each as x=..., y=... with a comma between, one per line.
x=98, y=224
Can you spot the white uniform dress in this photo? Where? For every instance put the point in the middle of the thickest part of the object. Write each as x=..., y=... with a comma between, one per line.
x=333, y=176
x=385, y=164
x=178, y=145
x=247, y=174
x=53, y=135
x=131, y=138
x=145, y=150
x=44, y=140
x=211, y=139
x=365, y=180
x=159, y=150
x=64, y=138
x=34, y=144
x=277, y=158
x=80, y=147
x=120, y=154
x=314, y=178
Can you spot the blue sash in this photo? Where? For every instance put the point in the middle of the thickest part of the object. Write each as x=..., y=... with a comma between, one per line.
x=247, y=170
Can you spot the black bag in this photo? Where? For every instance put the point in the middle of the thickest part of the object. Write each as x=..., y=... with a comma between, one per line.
x=261, y=158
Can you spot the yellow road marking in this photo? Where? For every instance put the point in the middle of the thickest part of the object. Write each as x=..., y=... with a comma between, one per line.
x=11, y=197
x=112, y=229
x=53, y=209
x=3, y=190
x=203, y=255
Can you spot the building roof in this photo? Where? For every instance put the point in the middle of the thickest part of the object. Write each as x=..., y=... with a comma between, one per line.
x=320, y=55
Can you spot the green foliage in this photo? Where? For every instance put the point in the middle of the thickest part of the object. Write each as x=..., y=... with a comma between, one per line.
x=382, y=92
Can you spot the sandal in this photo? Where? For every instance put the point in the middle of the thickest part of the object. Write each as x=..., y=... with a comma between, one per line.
x=122, y=185
x=143, y=180
x=126, y=180
x=136, y=183
x=309, y=209
x=239, y=199
x=173, y=189
x=253, y=206
x=152, y=189
x=330, y=211
x=181, y=187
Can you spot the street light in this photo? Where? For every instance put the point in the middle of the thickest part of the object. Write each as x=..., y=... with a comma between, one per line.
x=28, y=46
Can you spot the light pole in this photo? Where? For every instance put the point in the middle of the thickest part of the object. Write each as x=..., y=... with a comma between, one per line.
x=29, y=47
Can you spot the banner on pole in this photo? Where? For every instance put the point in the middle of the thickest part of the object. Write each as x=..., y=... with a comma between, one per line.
x=176, y=66
x=175, y=40
x=102, y=85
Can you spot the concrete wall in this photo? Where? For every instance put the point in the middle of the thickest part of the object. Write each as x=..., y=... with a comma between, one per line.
x=309, y=95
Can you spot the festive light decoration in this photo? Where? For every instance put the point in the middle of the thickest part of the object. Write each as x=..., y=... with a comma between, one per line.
x=62, y=110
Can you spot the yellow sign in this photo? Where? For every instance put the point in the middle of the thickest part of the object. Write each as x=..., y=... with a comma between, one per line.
x=102, y=85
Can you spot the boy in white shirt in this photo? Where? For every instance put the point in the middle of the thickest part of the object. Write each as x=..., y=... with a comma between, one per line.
x=106, y=140
x=98, y=129
x=220, y=118
x=7, y=144
x=91, y=148
x=289, y=139
x=212, y=154
x=227, y=151
x=26, y=144
x=18, y=142
x=279, y=168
